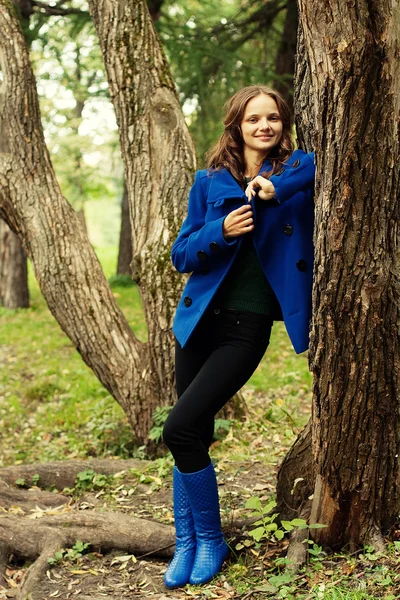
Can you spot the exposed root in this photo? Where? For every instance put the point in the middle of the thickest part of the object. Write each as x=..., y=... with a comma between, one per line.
x=377, y=541
x=61, y=474
x=28, y=499
x=297, y=550
x=40, y=539
x=295, y=482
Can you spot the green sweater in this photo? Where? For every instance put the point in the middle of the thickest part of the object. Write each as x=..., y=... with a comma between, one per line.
x=245, y=287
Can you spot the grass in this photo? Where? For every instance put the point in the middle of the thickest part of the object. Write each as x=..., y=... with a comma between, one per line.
x=53, y=407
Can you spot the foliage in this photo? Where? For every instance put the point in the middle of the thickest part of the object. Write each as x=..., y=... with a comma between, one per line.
x=72, y=554
x=267, y=527
x=89, y=479
x=160, y=415
x=77, y=115
x=215, y=48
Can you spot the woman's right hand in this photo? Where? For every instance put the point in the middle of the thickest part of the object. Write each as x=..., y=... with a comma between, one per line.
x=238, y=222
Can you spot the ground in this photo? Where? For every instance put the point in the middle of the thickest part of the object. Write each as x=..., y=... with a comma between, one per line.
x=53, y=408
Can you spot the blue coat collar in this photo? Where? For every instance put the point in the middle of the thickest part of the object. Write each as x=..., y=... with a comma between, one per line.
x=224, y=186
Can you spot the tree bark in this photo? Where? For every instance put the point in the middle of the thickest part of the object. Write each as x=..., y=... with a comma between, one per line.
x=159, y=162
x=125, y=240
x=354, y=71
x=159, y=165
x=14, y=292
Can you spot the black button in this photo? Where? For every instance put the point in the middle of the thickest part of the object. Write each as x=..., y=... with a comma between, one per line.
x=214, y=247
x=187, y=301
x=201, y=255
x=288, y=229
x=216, y=311
x=296, y=163
x=281, y=170
x=301, y=265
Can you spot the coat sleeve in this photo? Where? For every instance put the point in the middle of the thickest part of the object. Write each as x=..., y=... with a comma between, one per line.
x=295, y=180
x=198, y=241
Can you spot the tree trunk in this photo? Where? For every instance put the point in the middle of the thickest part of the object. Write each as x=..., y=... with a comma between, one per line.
x=14, y=292
x=125, y=239
x=139, y=376
x=353, y=52
x=285, y=61
x=159, y=162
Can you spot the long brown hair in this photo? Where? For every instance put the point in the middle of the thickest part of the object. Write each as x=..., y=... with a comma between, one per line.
x=228, y=151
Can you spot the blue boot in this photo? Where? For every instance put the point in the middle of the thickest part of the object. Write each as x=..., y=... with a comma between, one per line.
x=212, y=550
x=179, y=569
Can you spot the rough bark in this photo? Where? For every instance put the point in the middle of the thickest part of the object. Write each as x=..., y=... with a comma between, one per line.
x=125, y=240
x=159, y=167
x=353, y=51
x=14, y=292
x=159, y=162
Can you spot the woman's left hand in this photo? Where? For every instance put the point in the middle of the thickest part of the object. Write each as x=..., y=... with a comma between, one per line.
x=264, y=188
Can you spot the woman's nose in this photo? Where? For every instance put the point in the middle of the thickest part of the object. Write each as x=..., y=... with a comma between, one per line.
x=264, y=124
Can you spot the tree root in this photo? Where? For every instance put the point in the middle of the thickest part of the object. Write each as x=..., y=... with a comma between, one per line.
x=40, y=539
x=297, y=550
x=62, y=474
x=295, y=482
x=26, y=500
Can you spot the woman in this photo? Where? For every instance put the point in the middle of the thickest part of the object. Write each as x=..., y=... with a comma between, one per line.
x=247, y=240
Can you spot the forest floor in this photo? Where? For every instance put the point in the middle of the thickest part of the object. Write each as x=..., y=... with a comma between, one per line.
x=53, y=408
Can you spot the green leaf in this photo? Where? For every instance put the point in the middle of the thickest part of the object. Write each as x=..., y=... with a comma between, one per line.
x=287, y=525
x=20, y=482
x=271, y=527
x=254, y=502
x=279, y=534
x=258, y=533
x=268, y=507
x=317, y=526
x=301, y=523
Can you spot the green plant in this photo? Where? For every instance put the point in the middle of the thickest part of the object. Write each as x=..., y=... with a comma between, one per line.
x=267, y=528
x=221, y=428
x=159, y=417
x=89, y=479
x=72, y=554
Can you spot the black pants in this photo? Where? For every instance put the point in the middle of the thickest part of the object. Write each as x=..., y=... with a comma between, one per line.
x=219, y=359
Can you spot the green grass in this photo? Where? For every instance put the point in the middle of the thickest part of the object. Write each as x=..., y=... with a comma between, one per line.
x=53, y=407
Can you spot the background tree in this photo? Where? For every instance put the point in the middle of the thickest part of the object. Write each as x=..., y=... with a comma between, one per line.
x=215, y=48
x=139, y=376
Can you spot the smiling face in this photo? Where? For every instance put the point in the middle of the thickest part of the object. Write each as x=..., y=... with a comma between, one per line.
x=261, y=125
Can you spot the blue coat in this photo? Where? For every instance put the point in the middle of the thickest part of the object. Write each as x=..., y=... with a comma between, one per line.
x=282, y=236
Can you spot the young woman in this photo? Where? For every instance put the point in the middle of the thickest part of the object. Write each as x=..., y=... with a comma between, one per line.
x=247, y=240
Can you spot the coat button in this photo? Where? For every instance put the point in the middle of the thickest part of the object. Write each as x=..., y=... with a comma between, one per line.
x=214, y=247
x=296, y=163
x=201, y=255
x=281, y=170
x=288, y=229
x=301, y=265
x=187, y=301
